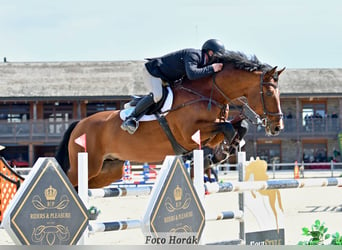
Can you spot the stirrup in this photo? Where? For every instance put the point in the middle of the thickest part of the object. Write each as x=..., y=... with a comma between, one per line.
x=130, y=125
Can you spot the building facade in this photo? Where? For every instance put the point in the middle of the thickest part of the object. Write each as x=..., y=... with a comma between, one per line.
x=38, y=101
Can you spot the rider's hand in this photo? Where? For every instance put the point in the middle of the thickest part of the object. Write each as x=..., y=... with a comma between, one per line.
x=217, y=66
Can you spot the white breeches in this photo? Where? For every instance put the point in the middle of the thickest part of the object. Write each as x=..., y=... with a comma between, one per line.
x=154, y=84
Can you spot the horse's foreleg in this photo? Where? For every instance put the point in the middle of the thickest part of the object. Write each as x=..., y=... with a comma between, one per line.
x=241, y=128
x=224, y=129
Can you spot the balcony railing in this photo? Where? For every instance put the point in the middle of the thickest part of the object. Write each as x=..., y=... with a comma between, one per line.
x=32, y=131
x=296, y=129
x=52, y=131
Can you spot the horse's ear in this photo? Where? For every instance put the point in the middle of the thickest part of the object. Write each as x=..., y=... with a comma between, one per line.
x=270, y=73
x=281, y=71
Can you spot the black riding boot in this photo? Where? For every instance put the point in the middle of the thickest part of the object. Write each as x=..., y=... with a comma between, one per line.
x=131, y=123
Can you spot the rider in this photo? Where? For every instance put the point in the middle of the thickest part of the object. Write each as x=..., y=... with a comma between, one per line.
x=190, y=63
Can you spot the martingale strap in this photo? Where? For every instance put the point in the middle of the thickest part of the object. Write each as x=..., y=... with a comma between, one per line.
x=248, y=113
x=177, y=148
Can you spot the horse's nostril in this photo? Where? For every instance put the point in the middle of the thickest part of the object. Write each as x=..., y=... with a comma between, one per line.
x=278, y=128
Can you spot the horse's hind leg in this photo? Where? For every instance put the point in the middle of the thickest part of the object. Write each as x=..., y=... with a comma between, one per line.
x=94, y=167
x=72, y=173
x=112, y=170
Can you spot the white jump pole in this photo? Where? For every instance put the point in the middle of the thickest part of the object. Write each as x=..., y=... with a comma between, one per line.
x=241, y=157
x=199, y=178
x=199, y=173
x=83, y=186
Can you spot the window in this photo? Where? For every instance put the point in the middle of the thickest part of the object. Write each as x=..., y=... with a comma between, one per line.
x=315, y=151
x=17, y=155
x=44, y=151
x=14, y=112
x=93, y=108
x=313, y=116
x=269, y=152
x=58, y=115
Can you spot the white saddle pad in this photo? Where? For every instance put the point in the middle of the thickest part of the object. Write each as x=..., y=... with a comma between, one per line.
x=167, y=105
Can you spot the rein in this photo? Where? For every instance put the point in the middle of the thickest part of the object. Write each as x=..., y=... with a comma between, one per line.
x=247, y=112
x=202, y=98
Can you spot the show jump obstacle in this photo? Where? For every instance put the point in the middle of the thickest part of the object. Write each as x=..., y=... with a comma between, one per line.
x=9, y=183
x=267, y=187
x=47, y=211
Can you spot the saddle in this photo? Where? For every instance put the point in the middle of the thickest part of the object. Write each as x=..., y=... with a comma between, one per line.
x=160, y=107
x=158, y=112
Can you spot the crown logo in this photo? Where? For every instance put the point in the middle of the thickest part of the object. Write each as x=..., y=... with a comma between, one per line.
x=50, y=193
x=177, y=193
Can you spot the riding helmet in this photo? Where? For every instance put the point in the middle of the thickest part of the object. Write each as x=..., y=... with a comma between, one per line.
x=215, y=45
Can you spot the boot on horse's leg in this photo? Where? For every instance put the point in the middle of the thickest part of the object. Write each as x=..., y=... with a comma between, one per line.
x=229, y=132
x=241, y=127
x=131, y=123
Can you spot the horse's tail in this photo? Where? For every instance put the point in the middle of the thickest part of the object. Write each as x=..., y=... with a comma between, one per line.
x=62, y=154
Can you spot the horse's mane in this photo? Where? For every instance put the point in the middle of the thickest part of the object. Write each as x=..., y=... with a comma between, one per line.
x=242, y=61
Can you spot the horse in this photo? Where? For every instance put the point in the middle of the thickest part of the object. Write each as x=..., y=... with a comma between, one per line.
x=197, y=104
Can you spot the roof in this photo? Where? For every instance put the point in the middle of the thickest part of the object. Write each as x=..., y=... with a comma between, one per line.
x=65, y=79
x=25, y=80
x=311, y=82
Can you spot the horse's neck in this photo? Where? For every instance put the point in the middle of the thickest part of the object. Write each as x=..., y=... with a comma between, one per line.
x=191, y=90
x=224, y=86
x=202, y=86
x=234, y=84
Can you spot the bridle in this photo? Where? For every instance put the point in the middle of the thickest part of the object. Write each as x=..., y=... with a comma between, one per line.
x=247, y=111
x=262, y=94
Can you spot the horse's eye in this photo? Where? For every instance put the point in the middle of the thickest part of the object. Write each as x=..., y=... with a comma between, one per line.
x=269, y=93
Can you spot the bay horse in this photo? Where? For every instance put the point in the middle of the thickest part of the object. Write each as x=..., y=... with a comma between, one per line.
x=196, y=106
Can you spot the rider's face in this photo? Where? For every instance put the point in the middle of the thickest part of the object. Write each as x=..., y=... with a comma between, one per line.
x=211, y=57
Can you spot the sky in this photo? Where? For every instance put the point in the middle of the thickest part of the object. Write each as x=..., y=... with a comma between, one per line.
x=284, y=33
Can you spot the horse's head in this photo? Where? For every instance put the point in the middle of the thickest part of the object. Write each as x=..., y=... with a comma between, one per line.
x=247, y=77
x=269, y=108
